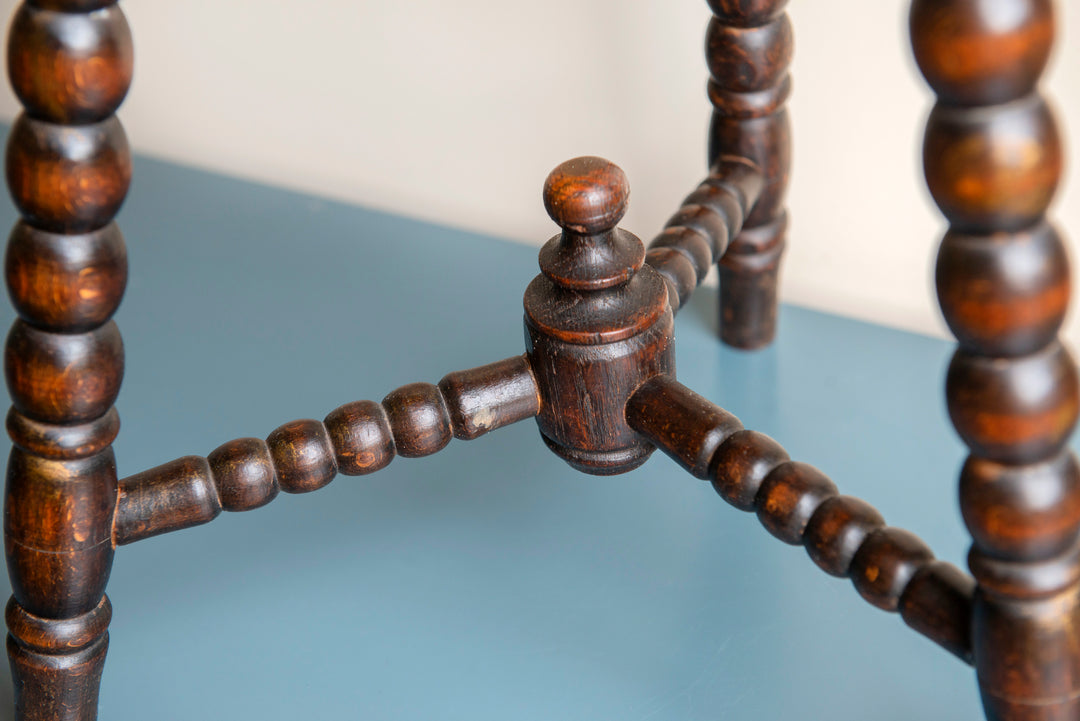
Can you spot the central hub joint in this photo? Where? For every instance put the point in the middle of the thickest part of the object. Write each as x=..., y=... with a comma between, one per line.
x=597, y=321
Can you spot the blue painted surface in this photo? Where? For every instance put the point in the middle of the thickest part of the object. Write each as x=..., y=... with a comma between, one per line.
x=489, y=581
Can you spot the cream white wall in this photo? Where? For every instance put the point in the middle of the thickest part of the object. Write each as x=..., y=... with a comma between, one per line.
x=455, y=112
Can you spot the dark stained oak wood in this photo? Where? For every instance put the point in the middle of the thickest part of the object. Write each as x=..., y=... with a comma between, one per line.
x=67, y=67
x=701, y=230
x=799, y=505
x=749, y=50
x=789, y=497
x=993, y=160
x=991, y=52
x=836, y=531
x=1018, y=411
x=62, y=284
x=68, y=178
x=1006, y=295
x=419, y=420
x=305, y=455
x=302, y=456
x=175, y=495
x=993, y=171
x=242, y=472
x=68, y=169
x=599, y=369
x=597, y=320
x=63, y=378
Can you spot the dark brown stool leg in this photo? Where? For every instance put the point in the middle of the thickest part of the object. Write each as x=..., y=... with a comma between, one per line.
x=749, y=48
x=68, y=169
x=993, y=160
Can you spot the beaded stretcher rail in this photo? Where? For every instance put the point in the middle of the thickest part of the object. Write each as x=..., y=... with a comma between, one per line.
x=598, y=371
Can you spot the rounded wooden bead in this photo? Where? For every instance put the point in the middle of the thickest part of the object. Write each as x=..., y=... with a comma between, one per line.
x=837, y=530
x=883, y=565
x=1017, y=410
x=1004, y=294
x=64, y=378
x=1022, y=512
x=711, y=224
x=63, y=441
x=982, y=52
x=678, y=273
x=749, y=59
x=705, y=221
x=741, y=464
x=418, y=419
x=746, y=106
x=244, y=474
x=302, y=455
x=722, y=201
x=68, y=179
x=586, y=195
x=789, y=496
x=361, y=436
x=695, y=245
x=993, y=168
x=70, y=283
x=70, y=68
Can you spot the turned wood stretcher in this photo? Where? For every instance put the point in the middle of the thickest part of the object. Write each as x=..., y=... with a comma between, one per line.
x=598, y=369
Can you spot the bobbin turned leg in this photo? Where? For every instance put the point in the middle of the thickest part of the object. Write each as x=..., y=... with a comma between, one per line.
x=993, y=161
x=68, y=169
x=749, y=48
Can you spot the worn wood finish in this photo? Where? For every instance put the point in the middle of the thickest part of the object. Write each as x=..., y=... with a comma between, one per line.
x=701, y=230
x=597, y=320
x=302, y=456
x=993, y=160
x=599, y=369
x=68, y=169
x=889, y=567
x=749, y=49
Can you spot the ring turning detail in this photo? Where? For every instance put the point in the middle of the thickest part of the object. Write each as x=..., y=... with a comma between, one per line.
x=598, y=372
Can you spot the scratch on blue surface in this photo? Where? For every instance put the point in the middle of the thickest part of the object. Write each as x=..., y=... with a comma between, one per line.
x=666, y=701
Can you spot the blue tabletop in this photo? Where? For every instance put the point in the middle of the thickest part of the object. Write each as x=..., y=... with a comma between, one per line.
x=490, y=581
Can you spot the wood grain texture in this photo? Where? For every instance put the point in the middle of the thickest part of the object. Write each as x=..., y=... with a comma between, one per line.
x=68, y=170
x=993, y=160
x=70, y=68
x=701, y=230
x=799, y=505
x=597, y=320
x=749, y=49
x=305, y=455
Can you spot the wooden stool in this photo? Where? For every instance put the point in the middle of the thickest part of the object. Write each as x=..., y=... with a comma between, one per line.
x=598, y=372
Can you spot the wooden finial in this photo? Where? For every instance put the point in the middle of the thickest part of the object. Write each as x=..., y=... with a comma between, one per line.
x=598, y=322
x=587, y=197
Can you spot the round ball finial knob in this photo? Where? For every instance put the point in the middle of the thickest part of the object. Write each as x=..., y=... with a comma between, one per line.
x=587, y=195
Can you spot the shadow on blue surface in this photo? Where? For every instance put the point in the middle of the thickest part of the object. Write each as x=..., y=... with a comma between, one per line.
x=490, y=581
